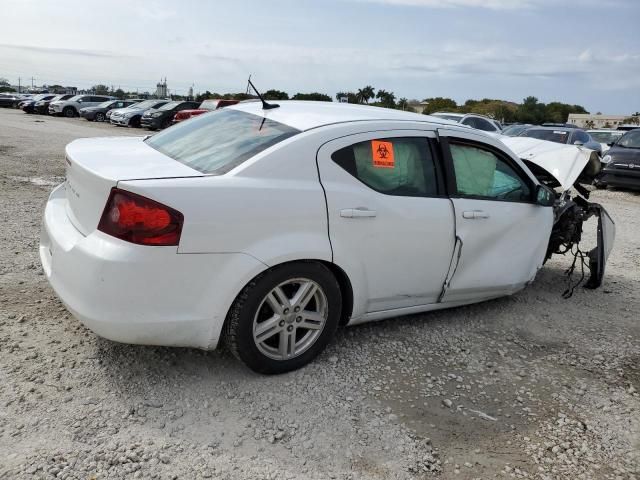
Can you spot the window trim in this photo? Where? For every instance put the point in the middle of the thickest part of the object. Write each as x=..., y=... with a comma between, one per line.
x=432, y=151
x=452, y=186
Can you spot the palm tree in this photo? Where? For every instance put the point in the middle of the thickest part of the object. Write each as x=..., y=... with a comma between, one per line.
x=365, y=94
x=403, y=103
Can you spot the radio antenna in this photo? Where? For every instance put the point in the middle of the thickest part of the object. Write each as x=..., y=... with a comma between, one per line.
x=265, y=105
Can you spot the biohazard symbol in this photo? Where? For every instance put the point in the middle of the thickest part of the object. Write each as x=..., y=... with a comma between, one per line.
x=382, y=154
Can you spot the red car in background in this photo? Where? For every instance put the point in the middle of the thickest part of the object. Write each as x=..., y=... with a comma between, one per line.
x=206, y=106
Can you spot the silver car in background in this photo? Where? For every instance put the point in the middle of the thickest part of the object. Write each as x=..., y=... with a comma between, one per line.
x=130, y=116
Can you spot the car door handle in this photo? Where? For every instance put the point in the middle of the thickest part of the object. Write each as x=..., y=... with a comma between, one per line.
x=360, y=212
x=472, y=214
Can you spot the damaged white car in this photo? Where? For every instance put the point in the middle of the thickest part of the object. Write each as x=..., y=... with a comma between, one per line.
x=266, y=227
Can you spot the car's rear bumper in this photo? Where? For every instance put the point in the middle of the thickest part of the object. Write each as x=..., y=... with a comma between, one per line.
x=624, y=178
x=139, y=294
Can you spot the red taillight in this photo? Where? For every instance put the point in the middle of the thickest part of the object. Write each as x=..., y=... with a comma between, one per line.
x=140, y=220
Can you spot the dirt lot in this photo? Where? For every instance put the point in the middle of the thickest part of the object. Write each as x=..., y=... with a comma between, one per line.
x=530, y=386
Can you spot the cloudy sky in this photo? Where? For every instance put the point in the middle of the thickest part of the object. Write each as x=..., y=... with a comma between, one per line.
x=576, y=51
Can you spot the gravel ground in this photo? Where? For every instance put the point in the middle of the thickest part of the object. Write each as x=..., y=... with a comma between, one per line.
x=529, y=386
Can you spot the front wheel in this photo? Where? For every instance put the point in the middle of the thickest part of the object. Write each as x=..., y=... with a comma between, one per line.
x=284, y=318
x=69, y=112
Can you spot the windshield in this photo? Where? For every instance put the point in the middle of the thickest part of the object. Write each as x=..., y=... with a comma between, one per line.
x=630, y=139
x=605, y=137
x=217, y=142
x=143, y=105
x=514, y=130
x=169, y=106
x=209, y=104
x=557, y=136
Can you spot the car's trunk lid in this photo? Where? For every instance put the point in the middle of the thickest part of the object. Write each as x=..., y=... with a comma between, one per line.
x=96, y=165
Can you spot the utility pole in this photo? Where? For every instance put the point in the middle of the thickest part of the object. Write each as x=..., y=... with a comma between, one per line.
x=32, y=79
x=19, y=85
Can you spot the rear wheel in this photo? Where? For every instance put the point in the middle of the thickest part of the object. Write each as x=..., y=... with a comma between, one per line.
x=134, y=122
x=69, y=112
x=166, y=123
x=99, y=117
x=284, y=318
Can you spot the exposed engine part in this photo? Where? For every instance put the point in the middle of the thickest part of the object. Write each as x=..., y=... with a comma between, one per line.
x=566, y=235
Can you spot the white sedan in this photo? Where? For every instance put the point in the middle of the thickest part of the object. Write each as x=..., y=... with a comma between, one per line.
x=269, y=228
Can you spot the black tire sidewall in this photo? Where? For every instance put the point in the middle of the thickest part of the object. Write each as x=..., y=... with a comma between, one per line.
x=246, y=348
x=69, y=109
x=99, y=117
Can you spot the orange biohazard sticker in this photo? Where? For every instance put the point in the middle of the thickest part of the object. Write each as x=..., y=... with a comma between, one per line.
x=382, y=154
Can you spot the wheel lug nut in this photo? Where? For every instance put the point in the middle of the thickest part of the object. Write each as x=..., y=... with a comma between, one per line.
x=298, y=319
x=297, y=309
x=281, y=323
x=286, y=310
x=289, y=328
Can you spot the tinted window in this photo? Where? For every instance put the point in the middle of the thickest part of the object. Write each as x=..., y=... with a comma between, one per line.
x=218, y=142
x=485, y=125
x=581, y=137
x=481, y=173
x=394, y=166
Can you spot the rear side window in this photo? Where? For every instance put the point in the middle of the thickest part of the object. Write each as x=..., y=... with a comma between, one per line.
x=393, y=166
x=481, y=173
x=218, y=142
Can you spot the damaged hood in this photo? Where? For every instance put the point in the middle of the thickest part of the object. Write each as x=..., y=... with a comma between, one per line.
x=565, y=163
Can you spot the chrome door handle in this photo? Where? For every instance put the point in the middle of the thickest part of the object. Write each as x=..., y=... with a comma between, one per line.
x=472, y=214
x=360, y=212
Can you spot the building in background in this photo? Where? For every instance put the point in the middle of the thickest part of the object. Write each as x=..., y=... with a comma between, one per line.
x=587, y=120
x=161, y=89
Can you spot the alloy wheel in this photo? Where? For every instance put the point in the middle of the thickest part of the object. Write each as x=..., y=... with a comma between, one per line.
x=290, y=319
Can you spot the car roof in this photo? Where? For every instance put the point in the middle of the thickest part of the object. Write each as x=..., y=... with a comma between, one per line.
x=305, y=115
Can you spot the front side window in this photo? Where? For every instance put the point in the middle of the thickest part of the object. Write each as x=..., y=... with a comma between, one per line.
x=216, y=143
x=393, y=166
x=481, y=173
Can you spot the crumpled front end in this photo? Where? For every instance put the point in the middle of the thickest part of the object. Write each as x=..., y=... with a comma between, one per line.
x=566, y=168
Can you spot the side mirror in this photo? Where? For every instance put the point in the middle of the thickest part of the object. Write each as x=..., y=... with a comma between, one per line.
x=545, y=196
x=578, y=142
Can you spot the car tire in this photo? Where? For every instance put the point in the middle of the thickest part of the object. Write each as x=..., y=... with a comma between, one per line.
x=99, y=117
x=135, y=122
x=69, y=112
x=165, y=123
x=270, y=331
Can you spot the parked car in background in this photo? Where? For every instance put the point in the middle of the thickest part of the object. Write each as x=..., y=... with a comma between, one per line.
x=627, y=126
x=561, y=125
x=346, y=201
x=42, y=106
x=208, y=105
x=157, y=118
x=606, y=138
x=99, y=112
x=622, y=162
x=130, y=116
x=515, y=130
x=11, y=100
x=71, y=107
x=568, y=136
x=473, y=120
x=28, y=106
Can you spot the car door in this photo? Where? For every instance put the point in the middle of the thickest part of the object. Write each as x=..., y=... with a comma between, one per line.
x=502, y=234
x=390, y=225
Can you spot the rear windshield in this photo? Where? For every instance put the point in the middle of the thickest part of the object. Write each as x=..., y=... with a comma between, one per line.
x=217, y=142
x=558, y=136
